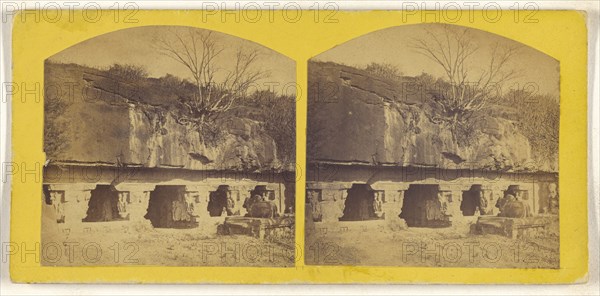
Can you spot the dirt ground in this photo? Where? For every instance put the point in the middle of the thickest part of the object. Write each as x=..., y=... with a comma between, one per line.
x=376, y=245
x=113, y=244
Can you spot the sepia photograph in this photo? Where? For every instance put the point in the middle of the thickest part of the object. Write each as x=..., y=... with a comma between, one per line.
x=169, y=145
x=433, y=145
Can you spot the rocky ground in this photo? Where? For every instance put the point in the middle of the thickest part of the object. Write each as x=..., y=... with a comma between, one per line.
x=377, y=245
x=115, y=244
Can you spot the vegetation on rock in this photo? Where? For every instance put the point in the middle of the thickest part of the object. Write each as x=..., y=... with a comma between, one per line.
x=215, y=89
x=256, y=133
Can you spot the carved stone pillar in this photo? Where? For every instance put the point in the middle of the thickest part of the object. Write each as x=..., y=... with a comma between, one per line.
x=238, y=198
x=137, y=197
x=492, y=193
x=312, y=207
x=72, y=201
x=393, y=199
x=341, y=202
x=199, y=196
x=57, y=201
x=123, y=204
x=330, y=202
x=243, y=190
x=535, y=196
x=450, y=197
x=278, y=197
x=289, y=197
x=400, y=200
x=138, y=206
x=529, y=197
x=330, y=205
x=454, y=201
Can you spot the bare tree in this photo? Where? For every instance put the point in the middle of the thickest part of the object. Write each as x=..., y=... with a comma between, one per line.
x=216, y=88
x=466, y=91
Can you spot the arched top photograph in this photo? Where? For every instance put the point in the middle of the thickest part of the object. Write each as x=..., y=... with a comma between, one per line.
x=177, y=137
x=471, y=96
x=446, y=133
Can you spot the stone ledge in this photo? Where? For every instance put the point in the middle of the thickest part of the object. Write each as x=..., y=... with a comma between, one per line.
x=513, y=227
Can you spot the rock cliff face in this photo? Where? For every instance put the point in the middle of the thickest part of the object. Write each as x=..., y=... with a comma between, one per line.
x=356, y=118
x=104, y=121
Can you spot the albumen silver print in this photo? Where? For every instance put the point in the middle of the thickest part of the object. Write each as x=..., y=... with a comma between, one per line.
x=433, y=145
x=171, y=146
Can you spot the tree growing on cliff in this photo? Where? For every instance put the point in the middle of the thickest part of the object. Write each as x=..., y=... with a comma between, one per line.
x=465, y=88
x=215, y=89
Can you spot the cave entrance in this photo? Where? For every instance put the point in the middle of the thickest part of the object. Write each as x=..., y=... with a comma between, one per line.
x=472, y=201
x=217, y=202
x=360, y=204
x=103, y=205
x=422, y=208
x=168, y=208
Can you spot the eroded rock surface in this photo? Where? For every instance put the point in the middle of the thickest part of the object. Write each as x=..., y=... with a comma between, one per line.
x=105, y=121
x=356, y=118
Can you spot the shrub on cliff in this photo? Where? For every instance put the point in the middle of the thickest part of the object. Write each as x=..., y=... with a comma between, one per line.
x=384, y=70
x=277, y=113
x=127, y=72
x=538, y=118
x=55, y=138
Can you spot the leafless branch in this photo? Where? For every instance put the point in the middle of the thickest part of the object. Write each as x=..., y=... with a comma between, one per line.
x=452, y=49
x=216, y=88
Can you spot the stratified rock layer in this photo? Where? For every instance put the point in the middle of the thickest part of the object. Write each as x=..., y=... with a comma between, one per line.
x=354, y=117
x=117, y=123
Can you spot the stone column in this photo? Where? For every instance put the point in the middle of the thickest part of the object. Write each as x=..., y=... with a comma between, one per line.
x=199, y=195
x=289, y=196
x=137, y=197
x=396, y=204
x=123, y=204
x=312, y=205
x=73, y=201
x=332, y=200
x=57, y=201
x=244, y=192
x=138, y=206
x=450, y=196
x=492, y=193
x=400, y=200
x=529, y=197
x=535, y=198
x=238, y=198
x=394, y=200
x=278, y=197
x=330, y=206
